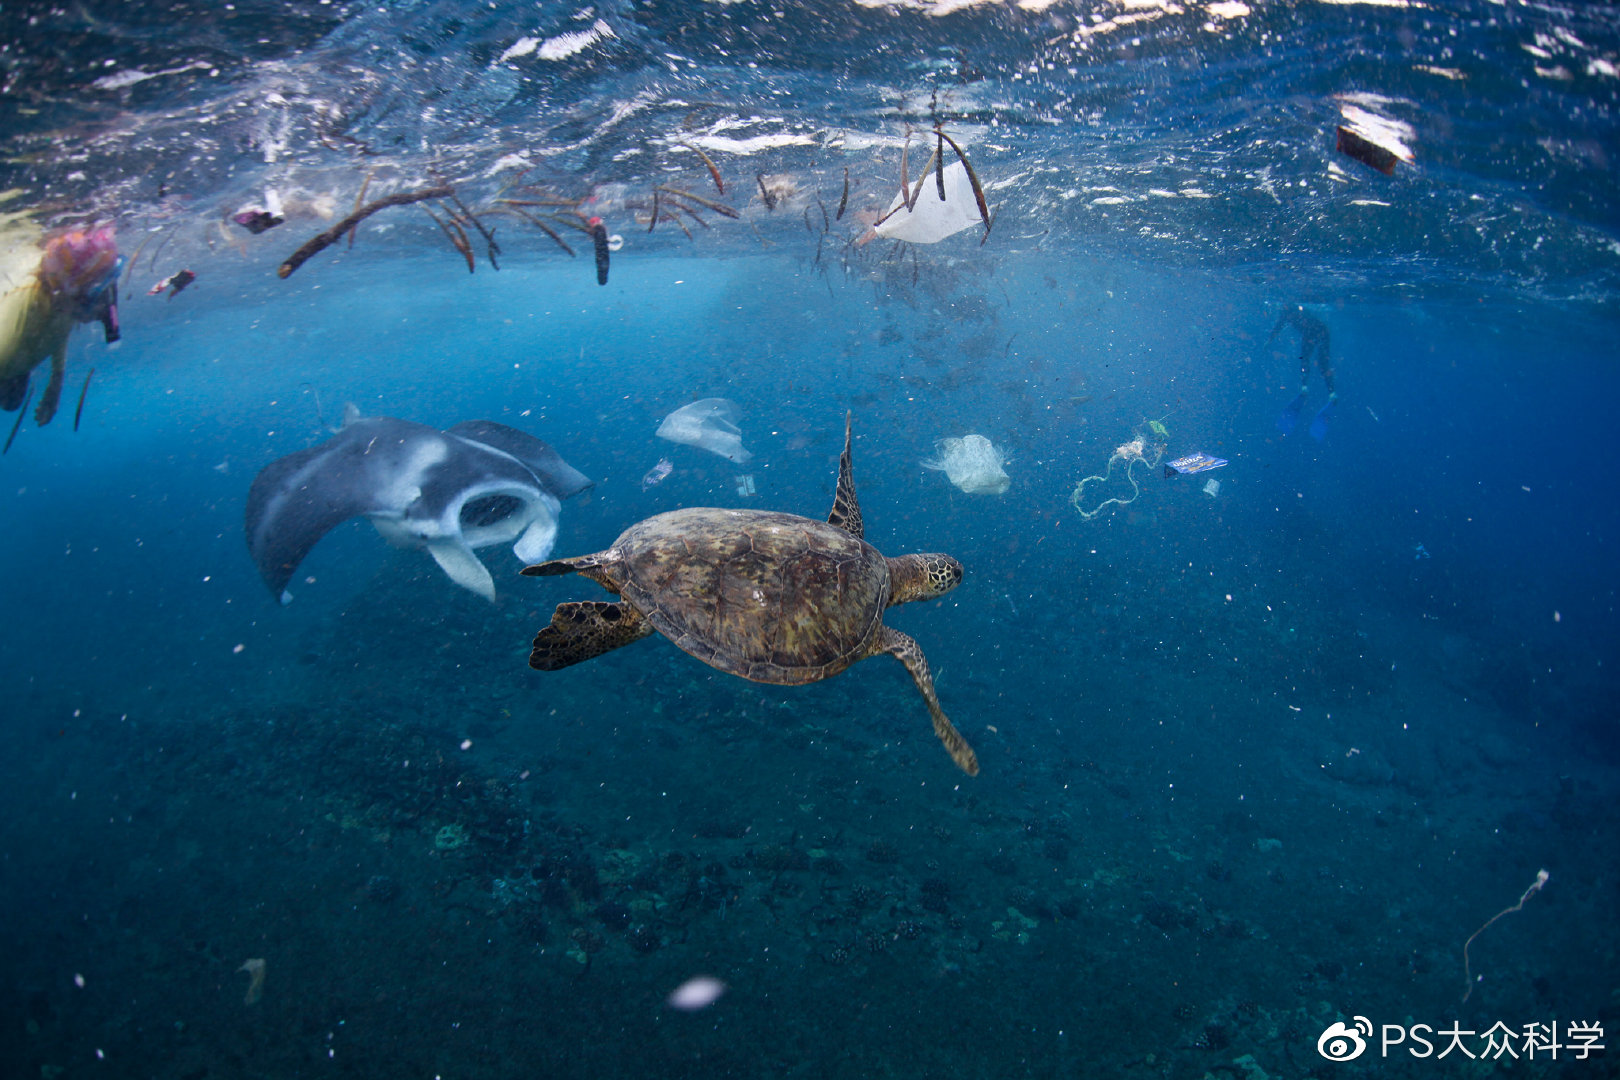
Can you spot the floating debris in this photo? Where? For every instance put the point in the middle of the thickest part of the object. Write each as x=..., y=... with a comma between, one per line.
x=22, y=412
x=1193, y=463
x=79, y=412
x=657, y=474
x=714, y=173
x=456, y=235
x=316, y=244
x=710, y=424
x=599, y=237
x=489, y=237
x=973, y=179
x=175, y=282
x=696, y=993
x=973, y=463
x=256, y=221
x=708, y=204
x=1376, y=141
x=255, y=987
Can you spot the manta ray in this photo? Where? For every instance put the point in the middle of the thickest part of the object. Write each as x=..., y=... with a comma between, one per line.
x=473, y=485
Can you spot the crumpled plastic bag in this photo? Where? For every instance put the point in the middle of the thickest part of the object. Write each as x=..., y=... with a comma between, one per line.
x=709, y=424
x=929, y=220
x=973, y=463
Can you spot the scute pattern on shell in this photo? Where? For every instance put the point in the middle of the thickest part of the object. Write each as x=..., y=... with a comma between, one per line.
x=772, y=597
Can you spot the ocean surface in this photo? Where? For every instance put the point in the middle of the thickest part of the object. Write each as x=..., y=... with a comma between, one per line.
x=1270, y=768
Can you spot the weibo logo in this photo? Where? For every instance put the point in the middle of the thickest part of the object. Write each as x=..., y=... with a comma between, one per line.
x=1341, y=1042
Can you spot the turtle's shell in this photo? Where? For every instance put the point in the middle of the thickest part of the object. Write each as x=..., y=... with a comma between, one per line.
x=772, y=597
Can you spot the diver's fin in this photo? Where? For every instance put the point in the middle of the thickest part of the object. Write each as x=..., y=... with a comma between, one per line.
x=846, y=511
x=909, y=653
x=1319, y=422
x=456, y=559
x=1290, y=414
x=585, y=629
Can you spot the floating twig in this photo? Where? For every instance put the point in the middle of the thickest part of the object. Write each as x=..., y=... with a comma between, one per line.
x=167, y=235
x=691, y=213
x=904, y=174
x=933, y=160
x=676, y=218
x=537, y=223
x=463, y=246
x=905, y=182
x=79, y=412
x=909, y=195
x=458, y=239
x=489, y=237
x=359, y=201
x=22, y=412
x=316, y=244
x=843, y=201
x=578, y=221
x=978, y=191
x=539, y=202
x=129, y=271
x=717, y=207
x=714, y=173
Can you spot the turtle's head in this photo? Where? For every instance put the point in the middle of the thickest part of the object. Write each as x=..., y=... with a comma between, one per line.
x=922, y=577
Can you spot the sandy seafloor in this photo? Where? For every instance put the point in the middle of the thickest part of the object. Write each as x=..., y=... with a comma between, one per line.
x=1251, y=764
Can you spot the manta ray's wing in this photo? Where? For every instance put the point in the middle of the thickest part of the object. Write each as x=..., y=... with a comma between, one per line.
x=374, y=466
x=555, y=475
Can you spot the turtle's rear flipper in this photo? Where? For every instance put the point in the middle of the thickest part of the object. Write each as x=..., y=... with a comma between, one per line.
x=584, y=629
x=907, y=651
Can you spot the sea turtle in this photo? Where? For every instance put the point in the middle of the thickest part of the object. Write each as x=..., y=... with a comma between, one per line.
x=773, y=597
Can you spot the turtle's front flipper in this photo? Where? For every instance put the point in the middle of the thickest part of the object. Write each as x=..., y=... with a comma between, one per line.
x=590, y=566
x=584, y=629
x=905, y=650
x=549, y=569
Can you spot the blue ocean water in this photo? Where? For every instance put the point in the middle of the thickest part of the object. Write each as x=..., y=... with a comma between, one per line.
x=1254, y=763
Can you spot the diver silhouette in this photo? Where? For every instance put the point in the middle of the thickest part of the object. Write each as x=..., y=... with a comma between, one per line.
x=1313, y=340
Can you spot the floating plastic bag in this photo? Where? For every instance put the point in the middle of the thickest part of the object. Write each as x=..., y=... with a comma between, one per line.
x=1137, y=450
x=973, y=464
x=929, y=220
x=710, y=424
